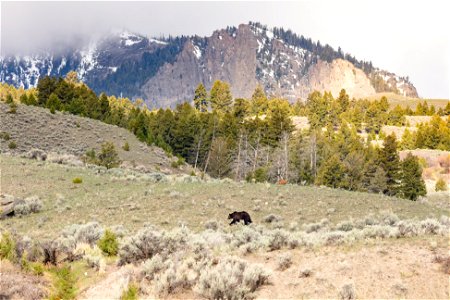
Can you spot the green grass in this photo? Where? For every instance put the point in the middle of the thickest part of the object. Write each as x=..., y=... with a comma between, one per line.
x=132, y=203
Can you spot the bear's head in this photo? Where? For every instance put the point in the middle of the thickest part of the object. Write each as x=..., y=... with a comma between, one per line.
x=231, y=216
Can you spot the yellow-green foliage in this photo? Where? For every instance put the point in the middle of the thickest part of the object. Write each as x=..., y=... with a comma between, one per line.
x=77, y=180
x=7, y=247
x=108, y=243
x=126, y=146
x=131, y=293
x=12, y=145
x=64, y=284
x=441, y=185
x=37, y=268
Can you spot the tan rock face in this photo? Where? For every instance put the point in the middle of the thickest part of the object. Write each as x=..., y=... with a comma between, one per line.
x=337, y=75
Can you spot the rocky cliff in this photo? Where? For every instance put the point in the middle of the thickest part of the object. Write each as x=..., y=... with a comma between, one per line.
x=165, y=72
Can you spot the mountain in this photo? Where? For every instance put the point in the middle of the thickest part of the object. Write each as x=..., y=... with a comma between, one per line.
x=166, y=71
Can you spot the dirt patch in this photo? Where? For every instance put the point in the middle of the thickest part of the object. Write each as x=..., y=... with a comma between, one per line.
x=112, y=286
x=389, y=270
x=16, y=285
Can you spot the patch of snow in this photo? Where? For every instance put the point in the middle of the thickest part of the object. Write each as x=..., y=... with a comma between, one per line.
x=220, y=37
x=197, y=52
x=269, y=34
x=113, y=69
x=88, y=60
x=260, y=46
x=157, y=42
x=61, y=66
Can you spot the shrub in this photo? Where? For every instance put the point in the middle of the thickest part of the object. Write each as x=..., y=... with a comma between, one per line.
x=108, y=156
x=272, y=218
x=306, y=272
x=12, y=108
x=5, y=136
x=126, y=147
x=108, y=243
x=177, y=163
x=276, y=239
x=37, y=269
x=441, y=185
x=34, y=203
x=211, y=224
x=153, y=266
x=430, y=226
x=172, y=279
x=77, y=180
x=345, y=226
x=148, y=242
x=88, y=233
x=64, y=285
x=22, y=209
x=37, y=154
x=92, y=261
x=7, y=247
x=231, y=278
x=260, y=175
x=284, y=261
x=131, y=293
x=347, y=292
x=12, y=145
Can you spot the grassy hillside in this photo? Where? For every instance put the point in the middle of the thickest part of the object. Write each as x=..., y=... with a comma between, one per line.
x=130, y=201
x=403, y=101
x=34, y=127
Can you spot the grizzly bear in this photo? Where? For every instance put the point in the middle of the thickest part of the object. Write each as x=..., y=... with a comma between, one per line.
x=237, y=216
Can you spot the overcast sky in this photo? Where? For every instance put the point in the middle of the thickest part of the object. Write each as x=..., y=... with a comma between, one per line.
x=409, y=38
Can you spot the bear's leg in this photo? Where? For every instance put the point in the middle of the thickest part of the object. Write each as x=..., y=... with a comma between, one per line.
x=233, y=222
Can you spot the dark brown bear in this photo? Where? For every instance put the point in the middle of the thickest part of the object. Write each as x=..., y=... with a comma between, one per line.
x=237, y=216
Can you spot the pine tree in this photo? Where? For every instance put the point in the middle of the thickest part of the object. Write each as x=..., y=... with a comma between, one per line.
x=407, y=142
x=343, y=101
x=412, y=185
x=221, y=99
x=53, y=102
x=331, y=172
x=24, y=99
x=317, y=110
x=259, y=101
x=390, y=162
x=201, y=98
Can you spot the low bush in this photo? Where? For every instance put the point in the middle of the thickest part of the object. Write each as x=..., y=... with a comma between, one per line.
x=88, y=233
x=77, y=180
x=347, y=292
x=231, y=278
x=284, y=261
x=272, y=218
x=37, y=268
x=131, y=293
x=108, y=243
x=5, y=136
x=7, y=247
x=441, y=185
x=126, y=147
x=64, y=284
x=37, y=154
x=148, y=242
x=12, y=145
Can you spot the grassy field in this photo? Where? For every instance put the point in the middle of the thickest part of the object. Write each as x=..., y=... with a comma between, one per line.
x=303, y=261
x=403, y=101
x=126, y=201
